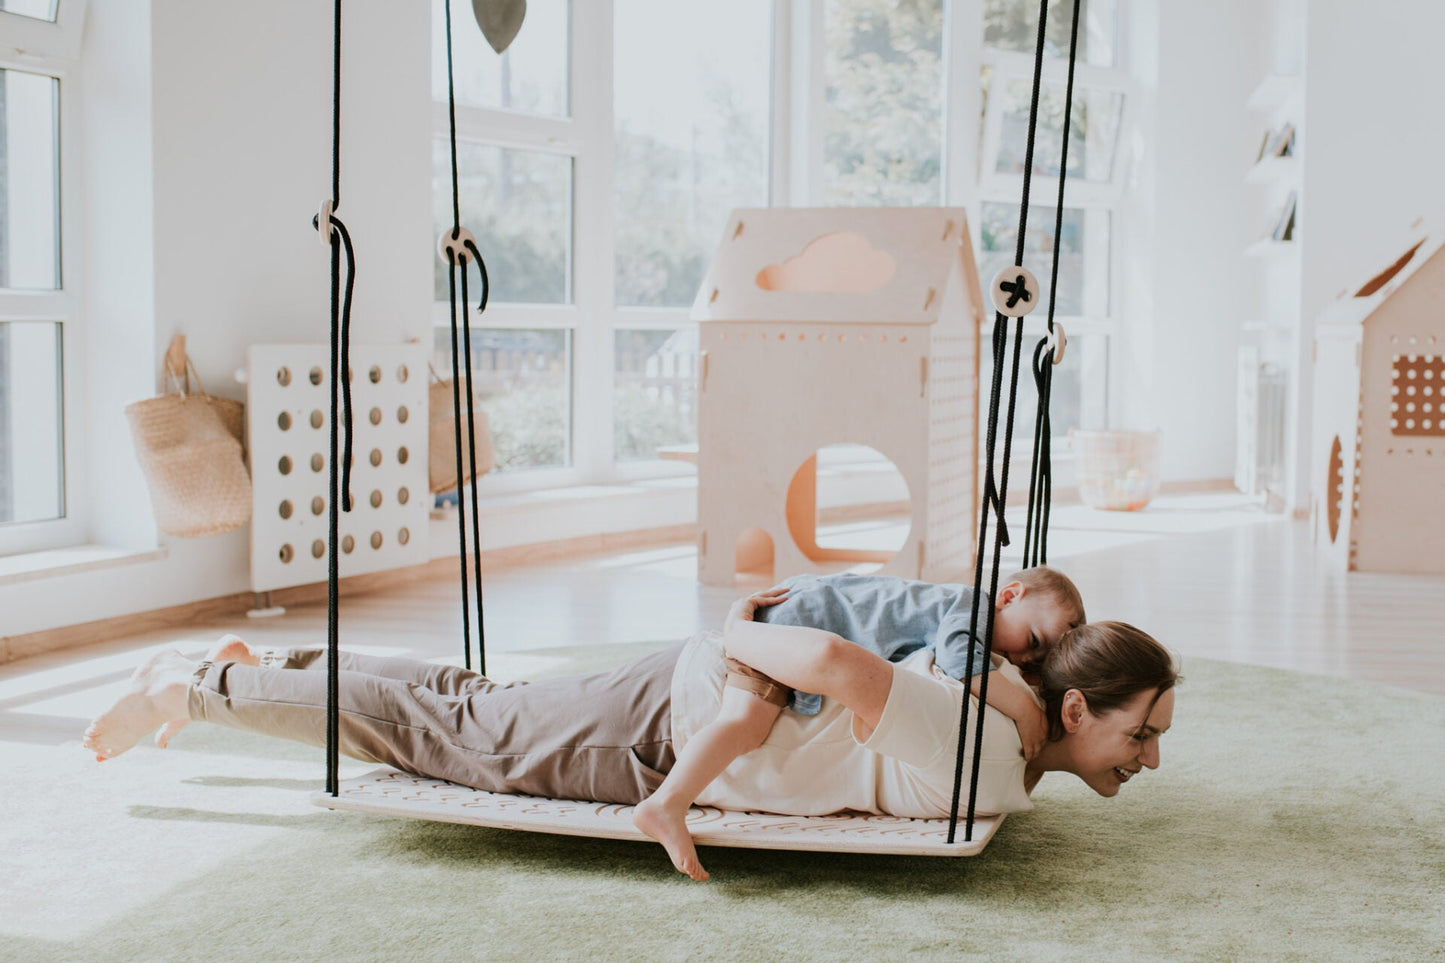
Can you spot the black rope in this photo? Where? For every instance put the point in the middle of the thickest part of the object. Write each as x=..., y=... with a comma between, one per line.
x=452, y=114
x=340, y=359
x=333, y=561
x=1041, y=484
x=995, y=494
x=457, y=260
x=340, y=363
x=457, y=431
x=472, y=455
x=336, y=112
x=346, y=423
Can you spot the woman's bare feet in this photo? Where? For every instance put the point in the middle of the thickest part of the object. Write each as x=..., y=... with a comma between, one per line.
x=231, y=648
x=669, y=827
x=157, y=693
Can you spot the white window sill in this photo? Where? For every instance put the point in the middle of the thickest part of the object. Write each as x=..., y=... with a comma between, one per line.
x=559, y=514
x=68, y=561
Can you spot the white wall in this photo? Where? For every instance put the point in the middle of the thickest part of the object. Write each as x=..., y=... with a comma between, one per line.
x=1372, y=142
x=206, y=150
x=1185, y=290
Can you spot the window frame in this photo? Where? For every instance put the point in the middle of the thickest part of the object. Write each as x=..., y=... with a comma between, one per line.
x=44, y=41
x=593, y=317
x=969, y=151
x=51, y=49
x=992, y=186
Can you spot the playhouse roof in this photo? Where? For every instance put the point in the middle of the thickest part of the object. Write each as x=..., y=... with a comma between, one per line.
x=1356, y=303
x=840, y=264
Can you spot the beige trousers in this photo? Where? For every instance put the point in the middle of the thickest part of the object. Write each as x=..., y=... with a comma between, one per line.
x=605, y=737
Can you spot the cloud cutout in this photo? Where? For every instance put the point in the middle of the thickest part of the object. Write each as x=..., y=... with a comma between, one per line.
x=842, y=262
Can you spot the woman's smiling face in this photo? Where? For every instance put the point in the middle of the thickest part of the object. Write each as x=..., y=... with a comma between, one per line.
x=1109, y=749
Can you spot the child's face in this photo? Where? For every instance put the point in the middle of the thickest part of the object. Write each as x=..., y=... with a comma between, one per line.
x=1026, y=624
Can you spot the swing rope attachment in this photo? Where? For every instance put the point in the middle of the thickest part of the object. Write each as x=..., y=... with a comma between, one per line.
x=333, y=233
x=1015, y=293
x=456, y=247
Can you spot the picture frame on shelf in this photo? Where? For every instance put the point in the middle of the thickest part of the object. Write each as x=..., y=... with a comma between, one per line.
x=1284, y=224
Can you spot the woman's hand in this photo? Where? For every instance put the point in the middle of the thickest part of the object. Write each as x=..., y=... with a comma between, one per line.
x=743, y=610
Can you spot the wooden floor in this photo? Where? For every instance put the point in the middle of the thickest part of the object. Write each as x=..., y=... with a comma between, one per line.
x=1209, y=575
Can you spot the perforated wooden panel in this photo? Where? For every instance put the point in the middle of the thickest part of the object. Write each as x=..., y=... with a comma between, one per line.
x=288, y=410
x=1417, y=395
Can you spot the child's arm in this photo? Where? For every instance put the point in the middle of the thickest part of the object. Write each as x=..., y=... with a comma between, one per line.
x=814, y=661
x=1012, y=700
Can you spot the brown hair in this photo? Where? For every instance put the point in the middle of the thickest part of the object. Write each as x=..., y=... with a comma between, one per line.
x=1057, y=588
x=1109, y=663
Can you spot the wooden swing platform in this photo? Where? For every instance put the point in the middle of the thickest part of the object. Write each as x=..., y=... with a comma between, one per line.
x=387, y=792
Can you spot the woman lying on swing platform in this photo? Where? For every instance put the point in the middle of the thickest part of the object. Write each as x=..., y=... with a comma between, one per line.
x=885, y=741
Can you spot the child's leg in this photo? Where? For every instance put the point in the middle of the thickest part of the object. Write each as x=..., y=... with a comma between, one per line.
x=743, y=722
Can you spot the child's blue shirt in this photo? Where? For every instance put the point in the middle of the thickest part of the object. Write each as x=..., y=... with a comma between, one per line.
x=891, y=617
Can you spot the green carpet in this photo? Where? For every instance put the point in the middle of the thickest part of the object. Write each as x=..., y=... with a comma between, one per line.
x=1295, y=817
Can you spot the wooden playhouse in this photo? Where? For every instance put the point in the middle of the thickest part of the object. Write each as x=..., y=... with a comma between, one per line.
x=1379, y=437
x=837, y=326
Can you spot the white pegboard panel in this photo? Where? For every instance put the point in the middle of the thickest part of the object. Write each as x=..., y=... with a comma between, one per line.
x=288, y=410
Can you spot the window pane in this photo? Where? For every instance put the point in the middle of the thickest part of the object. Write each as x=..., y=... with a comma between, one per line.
x=1014, y=25
x=1093, y=131
x=1077, y=397
x=1083, y=285
x=688, y=150
x=654, y=402
x=519, y=205
x=524, y=378
x=530, y=77
x=883, y=111
x=39, y=9
x=29, y=181
x=32, y=469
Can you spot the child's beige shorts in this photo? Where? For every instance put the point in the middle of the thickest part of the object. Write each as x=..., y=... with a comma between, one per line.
x=765, y=687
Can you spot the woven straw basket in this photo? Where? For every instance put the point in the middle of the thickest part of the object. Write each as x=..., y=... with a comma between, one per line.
x=442, y=439
x=189, y=449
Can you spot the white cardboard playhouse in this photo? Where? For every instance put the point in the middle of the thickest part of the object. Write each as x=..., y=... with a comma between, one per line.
x=1379, y=438
x=822, y=326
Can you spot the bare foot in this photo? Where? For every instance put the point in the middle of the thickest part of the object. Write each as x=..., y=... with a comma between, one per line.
x=669, y=827
x=231, y=648
x=157, y=693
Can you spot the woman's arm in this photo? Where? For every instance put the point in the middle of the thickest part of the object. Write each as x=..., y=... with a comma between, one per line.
x=814, y=661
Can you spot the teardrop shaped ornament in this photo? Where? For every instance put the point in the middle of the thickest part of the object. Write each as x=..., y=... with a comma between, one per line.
x=500, y=20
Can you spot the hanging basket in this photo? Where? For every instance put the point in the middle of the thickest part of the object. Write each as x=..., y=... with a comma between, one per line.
x=1117, y=470
x=189, y=449
x=442, y=438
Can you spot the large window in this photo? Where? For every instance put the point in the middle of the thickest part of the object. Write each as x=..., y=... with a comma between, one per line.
x=687, y=152
x=35, y=300
x=597, y=192
x=517, y=156
x=883, y=106
x=598, y=176
x=1083, y=238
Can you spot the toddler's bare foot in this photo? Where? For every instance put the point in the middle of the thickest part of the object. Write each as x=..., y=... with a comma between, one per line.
x=669, y=827
x=157, y=693
x=231, y=648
